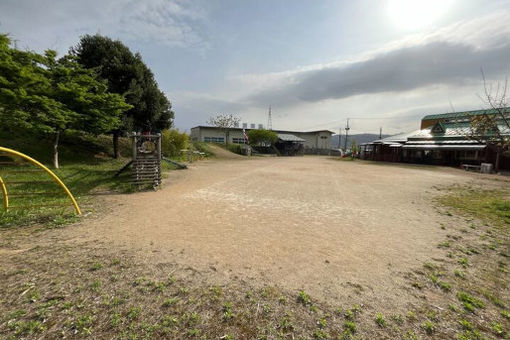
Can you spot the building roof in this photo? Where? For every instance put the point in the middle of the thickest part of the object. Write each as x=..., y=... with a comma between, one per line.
x=277, y=131
x=400, y=138
x=460, y=115
x=452, y=131
x=287, y=137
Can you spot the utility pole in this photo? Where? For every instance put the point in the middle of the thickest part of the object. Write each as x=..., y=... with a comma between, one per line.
x=339, y=137
x=269, y=120
x=347, y=128
x=380, y=132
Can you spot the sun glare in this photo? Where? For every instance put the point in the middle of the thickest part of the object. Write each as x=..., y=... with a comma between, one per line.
x=416, y=14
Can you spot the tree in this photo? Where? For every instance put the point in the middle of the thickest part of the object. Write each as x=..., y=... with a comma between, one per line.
x=266, y=137
x=127, y=75
x=493, y=126
x=225, y=122
x=50, y=96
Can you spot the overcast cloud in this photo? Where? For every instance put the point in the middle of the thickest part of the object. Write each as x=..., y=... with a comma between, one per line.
x=316, y=63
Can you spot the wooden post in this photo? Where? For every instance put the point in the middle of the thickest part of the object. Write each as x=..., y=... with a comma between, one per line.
x=134, y=145
x=159, y=145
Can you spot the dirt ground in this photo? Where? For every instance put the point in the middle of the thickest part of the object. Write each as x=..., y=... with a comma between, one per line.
x=341, y=231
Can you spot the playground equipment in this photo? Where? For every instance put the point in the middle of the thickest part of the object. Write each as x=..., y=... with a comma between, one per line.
x=23, y=169
x=146, y=162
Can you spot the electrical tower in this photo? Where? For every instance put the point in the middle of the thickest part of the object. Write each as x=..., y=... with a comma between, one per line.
x=347, y=128
x=269, y=120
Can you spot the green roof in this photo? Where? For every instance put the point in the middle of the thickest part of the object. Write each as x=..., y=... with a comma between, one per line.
x=462, y=114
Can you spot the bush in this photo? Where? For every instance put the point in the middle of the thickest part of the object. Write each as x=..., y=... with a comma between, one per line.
x=172, y=142
x=235, y=148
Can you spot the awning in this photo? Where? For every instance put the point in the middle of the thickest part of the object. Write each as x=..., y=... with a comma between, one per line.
x=443, y=147
x=287, y=137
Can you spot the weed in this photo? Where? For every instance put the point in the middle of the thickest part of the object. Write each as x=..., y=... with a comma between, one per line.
x=398, y=319
x=469, y=302
x=470, y=335
x=350, y=327
x=320, y=334
x=26, y=327
x=460, y=273
x=170, y=302
x=411, y=315
x=453, y=308
x=444, y=244
x=466, y=325
x=445, y=286
x=505, y=314
x=193, y=332
x=134, y=313
x=282, y=300
x=96, y=266
x=303, y=298
x=463, y=262
x=96, y=285
x=115, y=319
x=380, y=321
x=227, y=311
x=428, y=327
x=349, y=314
x=497, y=328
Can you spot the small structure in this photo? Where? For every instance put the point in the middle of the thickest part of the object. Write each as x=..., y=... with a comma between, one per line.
x=289, y=145
x=146, y=159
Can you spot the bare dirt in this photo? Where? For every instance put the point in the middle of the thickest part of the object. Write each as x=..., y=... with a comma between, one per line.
x=341, y=231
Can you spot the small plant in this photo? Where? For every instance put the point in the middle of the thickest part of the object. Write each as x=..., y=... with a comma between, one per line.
x=349, y=314
x=469, y=302
x=134, y=313
x=411, y=315
x=170, y=302
x=320, y=334
x=463, y=262
x=380, y=321
x=303, y=298
x=227, y=311
x=505, y=314
x=350, y=327
x=322, y=323
x=398, y=319
x=466, y=325
x=96, y=266
x=444, y=244
x=445, y=286
x=459, y=273
x=428, y=326
x=497, y=328
x=453, y=308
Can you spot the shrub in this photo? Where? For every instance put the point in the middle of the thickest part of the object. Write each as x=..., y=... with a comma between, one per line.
x=172, y=142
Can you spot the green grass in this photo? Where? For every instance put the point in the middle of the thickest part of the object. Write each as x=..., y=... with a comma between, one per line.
x=490, y=206
x=86, y=168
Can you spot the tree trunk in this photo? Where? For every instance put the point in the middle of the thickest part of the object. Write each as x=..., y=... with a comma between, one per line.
x=498, y=157
x=116, y=144
x=55, y=150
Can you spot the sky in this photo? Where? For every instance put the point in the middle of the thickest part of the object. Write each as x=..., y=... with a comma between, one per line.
x=380, y=63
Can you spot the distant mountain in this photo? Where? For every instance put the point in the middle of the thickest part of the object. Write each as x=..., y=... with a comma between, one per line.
x=359, y=138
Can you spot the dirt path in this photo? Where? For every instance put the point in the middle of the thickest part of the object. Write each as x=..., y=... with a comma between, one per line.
x=339, y=230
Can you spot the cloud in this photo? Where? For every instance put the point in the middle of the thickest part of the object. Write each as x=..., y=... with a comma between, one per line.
x=169, y=22
x=450, y=56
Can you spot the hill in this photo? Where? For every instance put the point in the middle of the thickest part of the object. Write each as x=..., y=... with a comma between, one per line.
x=359, y=138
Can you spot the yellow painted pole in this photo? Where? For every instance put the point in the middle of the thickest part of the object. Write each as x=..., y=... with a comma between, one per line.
x=55, y=177
x=4, y=191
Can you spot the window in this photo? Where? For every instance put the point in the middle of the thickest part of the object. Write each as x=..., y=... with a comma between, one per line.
x=238, y=140
x=214, y=139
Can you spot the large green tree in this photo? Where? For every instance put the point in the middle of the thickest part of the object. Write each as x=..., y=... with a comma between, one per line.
x=126, y=74
x=49, y=95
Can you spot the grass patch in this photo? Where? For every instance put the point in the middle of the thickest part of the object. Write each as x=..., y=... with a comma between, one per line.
x=490, y=206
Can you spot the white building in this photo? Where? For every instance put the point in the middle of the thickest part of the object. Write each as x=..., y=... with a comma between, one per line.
x=314, y=141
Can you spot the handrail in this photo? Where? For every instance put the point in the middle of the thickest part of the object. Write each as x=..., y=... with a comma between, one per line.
x=33, y=161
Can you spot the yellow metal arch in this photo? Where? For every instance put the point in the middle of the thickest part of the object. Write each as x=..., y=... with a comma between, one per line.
x=33, y=161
